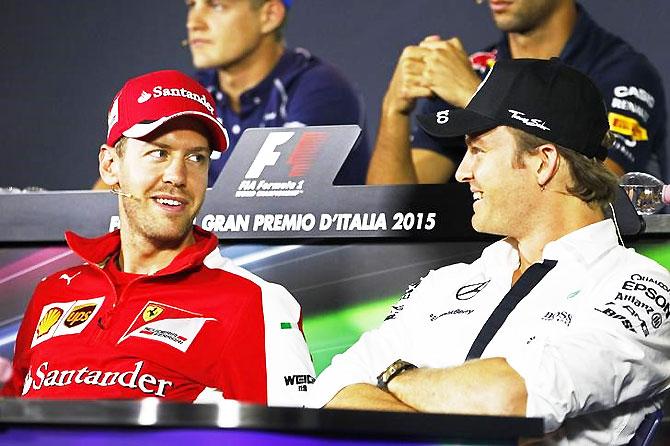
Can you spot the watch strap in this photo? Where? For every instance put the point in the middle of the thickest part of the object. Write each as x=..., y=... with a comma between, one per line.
x=396, y=368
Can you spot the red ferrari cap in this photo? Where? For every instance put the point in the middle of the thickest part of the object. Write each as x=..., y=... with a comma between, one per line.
x=148, y=101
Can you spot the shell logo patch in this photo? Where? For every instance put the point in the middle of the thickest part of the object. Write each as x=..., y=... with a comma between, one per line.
x=64, y=318
x=47, y=322
x=151, y=312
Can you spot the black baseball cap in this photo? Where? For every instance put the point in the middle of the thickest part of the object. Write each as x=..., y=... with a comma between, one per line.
x=545, y=98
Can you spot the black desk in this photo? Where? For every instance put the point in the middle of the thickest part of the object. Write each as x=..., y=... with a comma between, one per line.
x=148, y=422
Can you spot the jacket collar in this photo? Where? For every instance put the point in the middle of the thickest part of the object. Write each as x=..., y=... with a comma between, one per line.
x=291, y=63
x=584, y=246
x=100, y=249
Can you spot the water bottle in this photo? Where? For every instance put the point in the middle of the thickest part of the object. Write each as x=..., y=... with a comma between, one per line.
x=647, y=193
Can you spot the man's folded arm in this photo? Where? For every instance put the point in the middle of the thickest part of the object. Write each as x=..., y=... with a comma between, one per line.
x=365, y=396
x=478, y=387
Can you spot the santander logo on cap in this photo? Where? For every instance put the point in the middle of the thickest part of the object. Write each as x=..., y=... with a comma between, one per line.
x=149, y=101
x=159, y=91
x=144, y=97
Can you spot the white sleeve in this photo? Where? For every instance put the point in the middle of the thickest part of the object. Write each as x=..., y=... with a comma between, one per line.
x=288, y=364
x=616, y=351
x=290, y=372
x=376, y=349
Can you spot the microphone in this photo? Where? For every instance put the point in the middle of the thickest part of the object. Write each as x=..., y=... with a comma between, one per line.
x=184, y=43
x=120, y=193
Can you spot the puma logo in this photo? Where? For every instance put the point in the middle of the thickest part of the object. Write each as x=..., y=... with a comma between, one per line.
x=67, y=278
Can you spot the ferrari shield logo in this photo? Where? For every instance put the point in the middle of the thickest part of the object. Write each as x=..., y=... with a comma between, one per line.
x=151, y=312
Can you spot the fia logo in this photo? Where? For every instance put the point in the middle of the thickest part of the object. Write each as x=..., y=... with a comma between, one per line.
x=467, y=292
x=299, y=160
x=267, y=155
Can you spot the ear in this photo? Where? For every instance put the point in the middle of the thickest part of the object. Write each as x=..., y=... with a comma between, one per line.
x=108, y=165
x=547, y=165
x=272, y=15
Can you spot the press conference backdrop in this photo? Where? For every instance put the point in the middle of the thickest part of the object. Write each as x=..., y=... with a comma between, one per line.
x=62, y=61
x=346, y=253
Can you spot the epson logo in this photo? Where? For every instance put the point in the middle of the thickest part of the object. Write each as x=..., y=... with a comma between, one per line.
x=160, y=91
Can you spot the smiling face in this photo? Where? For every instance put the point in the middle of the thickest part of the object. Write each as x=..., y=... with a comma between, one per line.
x=166, y=176
x=503, y=191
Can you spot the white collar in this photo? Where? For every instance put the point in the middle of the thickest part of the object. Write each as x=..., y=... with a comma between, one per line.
x=584, y=245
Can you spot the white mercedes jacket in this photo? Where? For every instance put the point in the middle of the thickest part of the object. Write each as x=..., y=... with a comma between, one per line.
x=591, y=339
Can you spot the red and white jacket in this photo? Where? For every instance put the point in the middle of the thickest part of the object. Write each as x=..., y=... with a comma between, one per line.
x=199, y=330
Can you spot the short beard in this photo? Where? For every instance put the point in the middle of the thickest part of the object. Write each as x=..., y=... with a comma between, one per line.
x=530, y=18
x=149, y=230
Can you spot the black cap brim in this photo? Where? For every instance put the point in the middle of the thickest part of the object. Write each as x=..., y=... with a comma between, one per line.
x=457, y=122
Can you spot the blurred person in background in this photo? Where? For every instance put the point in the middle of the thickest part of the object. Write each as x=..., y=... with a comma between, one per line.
x=438, y=75
x=239, y=50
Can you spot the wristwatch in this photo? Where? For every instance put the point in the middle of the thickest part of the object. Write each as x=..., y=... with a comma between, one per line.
x=396, y=368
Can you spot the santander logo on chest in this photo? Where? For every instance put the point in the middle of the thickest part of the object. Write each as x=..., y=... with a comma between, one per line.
x=167, y=324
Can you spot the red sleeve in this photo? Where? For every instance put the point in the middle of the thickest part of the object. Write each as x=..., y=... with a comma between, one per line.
x=243, y=374
x=21, y=363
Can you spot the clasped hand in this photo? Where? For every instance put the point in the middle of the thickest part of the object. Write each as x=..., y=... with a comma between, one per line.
x=435, y=67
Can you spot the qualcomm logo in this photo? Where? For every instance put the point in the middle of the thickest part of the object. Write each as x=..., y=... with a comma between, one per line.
x=144, y=97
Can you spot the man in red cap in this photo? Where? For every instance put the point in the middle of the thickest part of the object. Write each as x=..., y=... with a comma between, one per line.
x=156, y=310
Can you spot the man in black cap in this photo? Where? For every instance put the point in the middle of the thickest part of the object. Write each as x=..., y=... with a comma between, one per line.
x=438, y=74
x=556, y=320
